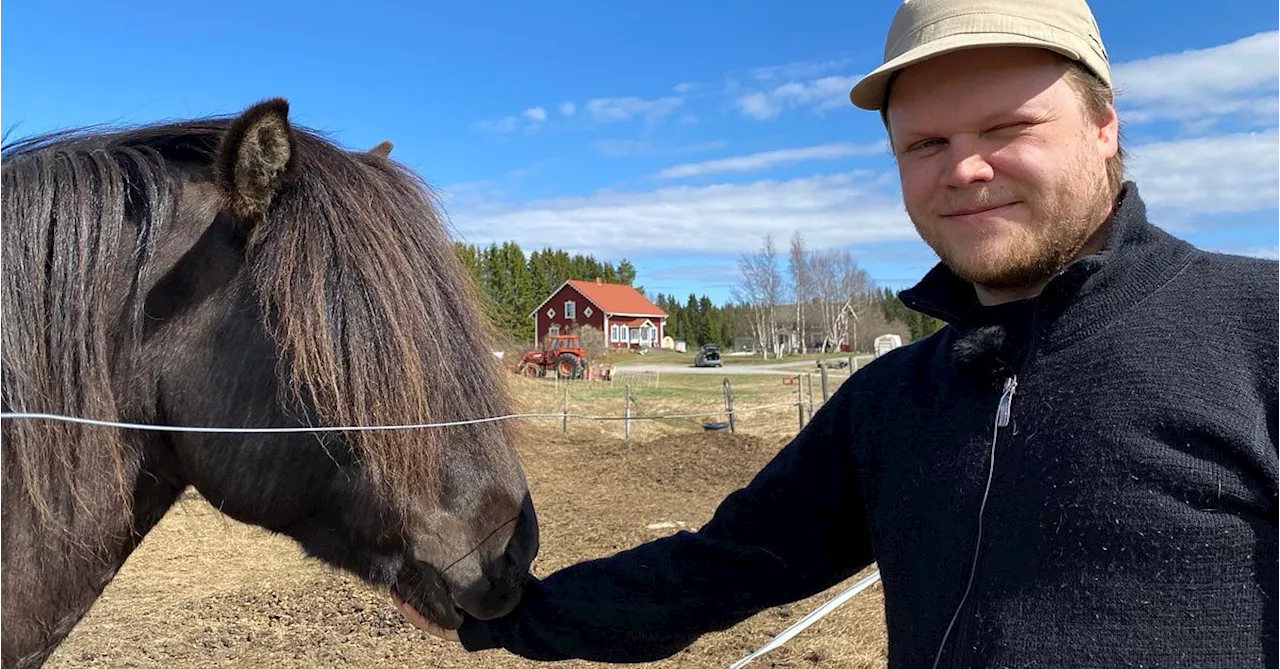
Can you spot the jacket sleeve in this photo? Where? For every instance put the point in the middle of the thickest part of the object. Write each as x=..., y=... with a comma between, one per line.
x=796, y=529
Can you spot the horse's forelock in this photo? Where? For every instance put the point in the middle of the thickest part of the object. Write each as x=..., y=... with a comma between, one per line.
x=375, y=314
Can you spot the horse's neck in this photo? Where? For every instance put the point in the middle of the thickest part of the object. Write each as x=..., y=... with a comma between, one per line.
x=51, y=580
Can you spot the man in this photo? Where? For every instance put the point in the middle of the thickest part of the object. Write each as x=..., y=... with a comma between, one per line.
x=1079, y=470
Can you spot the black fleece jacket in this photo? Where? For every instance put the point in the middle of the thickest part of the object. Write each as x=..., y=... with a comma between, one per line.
x=1131, y=495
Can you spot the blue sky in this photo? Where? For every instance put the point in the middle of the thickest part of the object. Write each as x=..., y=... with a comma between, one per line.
x=673, y=134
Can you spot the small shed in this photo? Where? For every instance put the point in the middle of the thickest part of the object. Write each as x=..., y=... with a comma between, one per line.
x=887, y=342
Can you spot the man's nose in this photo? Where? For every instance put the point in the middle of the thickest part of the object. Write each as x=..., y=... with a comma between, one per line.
x=967, y=166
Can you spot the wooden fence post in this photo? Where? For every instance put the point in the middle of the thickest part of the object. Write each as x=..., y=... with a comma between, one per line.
x=564, y=427
x=808, y=383
x=800, y=401
x=822, y=372
x=728, y=402
x=626, y=423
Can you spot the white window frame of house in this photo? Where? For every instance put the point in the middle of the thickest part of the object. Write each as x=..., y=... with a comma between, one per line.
x=613, y=333
x=570, y=309
x=553, y=330
x=624, y=334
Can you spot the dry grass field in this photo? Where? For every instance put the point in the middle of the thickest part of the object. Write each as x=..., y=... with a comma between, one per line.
x=207, y=591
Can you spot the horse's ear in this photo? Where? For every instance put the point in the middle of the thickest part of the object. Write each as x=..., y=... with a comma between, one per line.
x=382, y=150
x=256, y=157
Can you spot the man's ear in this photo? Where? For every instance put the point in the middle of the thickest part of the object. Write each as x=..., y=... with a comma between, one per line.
x=382, y=150
x=1109, y=133
x=255, y=158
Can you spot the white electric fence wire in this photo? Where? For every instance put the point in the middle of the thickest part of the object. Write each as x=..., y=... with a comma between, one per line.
x=356, y=428
x=813, y=617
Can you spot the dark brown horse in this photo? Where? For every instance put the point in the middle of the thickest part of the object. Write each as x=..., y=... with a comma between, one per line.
x=242, y=273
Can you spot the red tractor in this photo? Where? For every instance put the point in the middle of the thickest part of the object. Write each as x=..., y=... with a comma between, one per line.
x=561, y=354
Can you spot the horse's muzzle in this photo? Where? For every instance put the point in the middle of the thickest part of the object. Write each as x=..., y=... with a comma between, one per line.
x=501, y=585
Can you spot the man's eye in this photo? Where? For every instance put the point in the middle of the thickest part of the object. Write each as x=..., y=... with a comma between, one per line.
x=1017, y=125
x=925, y=144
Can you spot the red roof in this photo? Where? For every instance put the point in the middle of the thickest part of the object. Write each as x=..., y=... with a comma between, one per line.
x=617, y=298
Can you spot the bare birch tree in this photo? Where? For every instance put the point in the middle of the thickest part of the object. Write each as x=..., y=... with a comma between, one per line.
x=799, y=266
x=836, y=280
x=759, y=292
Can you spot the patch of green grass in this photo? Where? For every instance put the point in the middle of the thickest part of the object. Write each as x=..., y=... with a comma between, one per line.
x=674, y=394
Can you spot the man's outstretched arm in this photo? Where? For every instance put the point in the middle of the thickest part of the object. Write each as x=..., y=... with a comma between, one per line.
x=795, y=530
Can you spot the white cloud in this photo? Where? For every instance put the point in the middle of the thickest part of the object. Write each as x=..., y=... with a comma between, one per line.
x=505, y=124
x=1210, y=175
x=799, y=70
x=724, y=218
x=684, y=87
x=536, y=115
x=1272, y=253
x=624, y=148
x=611, y=110
x=819, y=94
x=568, y=108
x=1237, y=79
x=766, y=159
x=534, y=118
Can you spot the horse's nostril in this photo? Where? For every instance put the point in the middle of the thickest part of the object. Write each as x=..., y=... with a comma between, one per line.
x=523, y=546
x=506, y=574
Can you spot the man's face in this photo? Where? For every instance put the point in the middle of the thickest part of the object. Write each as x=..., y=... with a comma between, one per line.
x=1003, y=170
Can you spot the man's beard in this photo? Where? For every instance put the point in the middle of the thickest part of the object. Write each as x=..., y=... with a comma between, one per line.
x=1034, y=260
x=1036, y=254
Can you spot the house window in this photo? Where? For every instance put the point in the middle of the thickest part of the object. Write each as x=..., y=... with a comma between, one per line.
x=553, y=330
x=551, y=313
x=587, y=312
x=570, y=309
x=613, y=333
x=623, y=333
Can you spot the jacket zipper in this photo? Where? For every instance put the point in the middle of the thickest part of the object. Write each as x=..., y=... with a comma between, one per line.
x=1003, y=411
x=1006, y=404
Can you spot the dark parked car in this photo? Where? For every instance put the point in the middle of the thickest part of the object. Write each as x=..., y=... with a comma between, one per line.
x=708, y=356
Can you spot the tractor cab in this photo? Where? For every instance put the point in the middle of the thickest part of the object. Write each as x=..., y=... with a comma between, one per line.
x=561, y=355
x=554, y=344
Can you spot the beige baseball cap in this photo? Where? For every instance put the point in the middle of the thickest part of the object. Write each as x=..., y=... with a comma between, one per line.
x=922, y=29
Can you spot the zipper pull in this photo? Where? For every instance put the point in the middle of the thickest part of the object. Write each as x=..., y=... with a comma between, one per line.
x=1006, y=401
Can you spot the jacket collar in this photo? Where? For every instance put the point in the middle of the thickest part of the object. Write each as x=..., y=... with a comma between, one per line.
x=1084, y=295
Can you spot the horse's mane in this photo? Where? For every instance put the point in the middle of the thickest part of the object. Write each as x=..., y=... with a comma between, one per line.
x=357, y=280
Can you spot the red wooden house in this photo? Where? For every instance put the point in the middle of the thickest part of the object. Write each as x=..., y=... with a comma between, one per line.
x=625, y=316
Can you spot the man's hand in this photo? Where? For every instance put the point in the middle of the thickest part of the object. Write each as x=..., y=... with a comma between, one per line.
x=418, y=620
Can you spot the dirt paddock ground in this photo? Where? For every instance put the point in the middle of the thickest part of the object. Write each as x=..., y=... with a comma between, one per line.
x=206, y=591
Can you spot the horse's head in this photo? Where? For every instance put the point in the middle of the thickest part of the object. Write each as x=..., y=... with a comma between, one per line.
x=269, y=279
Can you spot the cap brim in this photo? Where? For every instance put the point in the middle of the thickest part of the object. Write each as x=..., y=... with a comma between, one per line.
x=869, y=92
